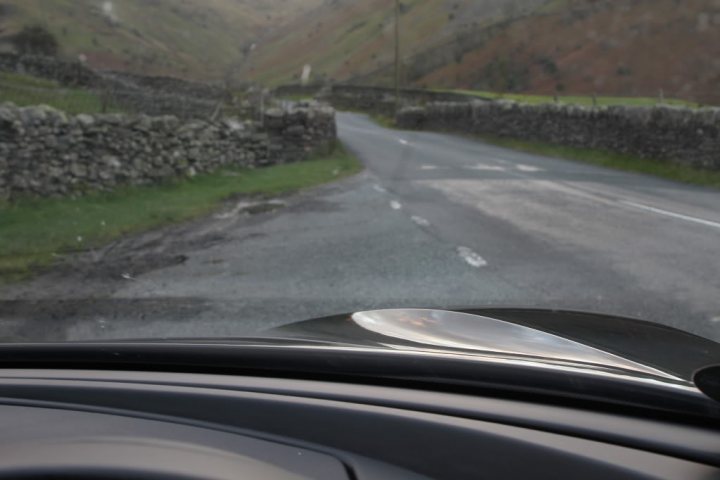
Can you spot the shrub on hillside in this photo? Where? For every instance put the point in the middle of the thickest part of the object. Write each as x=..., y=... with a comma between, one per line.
x=36, y=40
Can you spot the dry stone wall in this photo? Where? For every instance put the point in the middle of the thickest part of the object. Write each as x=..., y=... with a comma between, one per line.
x=65, y=72
x=680, y=135
x=44, y=152
x=370, y=99
x=160, y=95
x=125, y=91
x=172, y=85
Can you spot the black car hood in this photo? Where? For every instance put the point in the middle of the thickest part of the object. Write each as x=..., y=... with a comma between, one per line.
x=558, y=356
x=584, y=340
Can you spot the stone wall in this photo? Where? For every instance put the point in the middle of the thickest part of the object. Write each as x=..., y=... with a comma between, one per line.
x=371, y=99
x=73, y=74
x=138, y=100
x=44, y=152
x=168, y=85
x=680, y=135
x=296, y=90
x=128, y=92
x=160, y=95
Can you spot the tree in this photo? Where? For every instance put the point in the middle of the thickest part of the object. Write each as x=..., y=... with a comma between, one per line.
x=36, y=40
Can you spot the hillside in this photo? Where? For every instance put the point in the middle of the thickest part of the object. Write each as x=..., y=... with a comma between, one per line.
x=604, y=47
x=192, y=38
x=643, y=48
x=346, y=38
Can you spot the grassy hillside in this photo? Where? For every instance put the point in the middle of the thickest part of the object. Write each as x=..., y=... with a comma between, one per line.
x=193, y=38
x=24, y=90
x=644, y=48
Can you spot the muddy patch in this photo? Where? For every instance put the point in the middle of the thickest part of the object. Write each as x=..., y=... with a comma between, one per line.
x=101, y=271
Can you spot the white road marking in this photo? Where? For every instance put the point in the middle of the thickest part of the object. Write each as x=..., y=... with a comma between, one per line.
x=500, y=160
x=428, y=167
x=715, y=319
x=420, y=221
x=379, y=188
x=493, y=168
x=528, y=168
x=667, y=213
x=472, y=258
x=396, y=205
x=531, y=169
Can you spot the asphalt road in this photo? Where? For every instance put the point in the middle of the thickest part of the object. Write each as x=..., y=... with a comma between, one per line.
x=436, y=220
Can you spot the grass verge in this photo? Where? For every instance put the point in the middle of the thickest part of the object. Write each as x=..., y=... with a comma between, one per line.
x=618, y=161
x=34, y=232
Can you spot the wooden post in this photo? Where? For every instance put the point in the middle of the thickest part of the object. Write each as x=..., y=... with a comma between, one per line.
x=397, y=56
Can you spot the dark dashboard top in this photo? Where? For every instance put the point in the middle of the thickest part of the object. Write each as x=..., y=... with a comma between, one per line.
x=556, y=356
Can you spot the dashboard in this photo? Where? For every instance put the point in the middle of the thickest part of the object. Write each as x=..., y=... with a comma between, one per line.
x=71, y=423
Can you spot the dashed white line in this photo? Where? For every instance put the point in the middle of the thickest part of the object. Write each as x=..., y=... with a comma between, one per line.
x=403, y=141
x=420, y=221
x=395, y=205
x=428, y=167
x=493, y=168
x=499, y=160
x=528, y=168
x=379, y=188
x=667, y=213
x=471, y=258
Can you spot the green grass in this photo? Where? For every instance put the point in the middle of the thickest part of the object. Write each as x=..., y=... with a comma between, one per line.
x=34, y=232
x=25, y=90
x=576, y=99
x=618, y=161
x=19, y=80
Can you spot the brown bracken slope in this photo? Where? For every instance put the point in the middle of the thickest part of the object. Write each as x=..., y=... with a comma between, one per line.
x=606, y=47
x=628, y=48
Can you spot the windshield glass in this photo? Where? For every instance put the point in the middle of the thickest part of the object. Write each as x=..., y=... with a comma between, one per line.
x=217, y=168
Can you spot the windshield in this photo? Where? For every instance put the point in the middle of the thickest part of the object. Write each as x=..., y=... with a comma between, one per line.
x=220, y=168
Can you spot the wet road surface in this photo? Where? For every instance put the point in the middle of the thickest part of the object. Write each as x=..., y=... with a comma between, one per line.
x=435, y=220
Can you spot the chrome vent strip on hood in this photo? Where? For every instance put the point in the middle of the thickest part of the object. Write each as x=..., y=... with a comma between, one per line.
x=463, y=331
